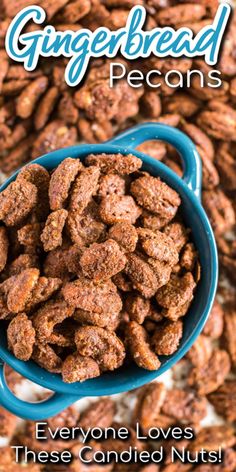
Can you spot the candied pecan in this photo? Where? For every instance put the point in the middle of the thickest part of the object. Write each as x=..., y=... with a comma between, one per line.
x=180, y=14
x=177, y=292
x=4, y=245
x=138, y=343
x=17, y=201
x=203, y=143
x=61, y=181
x=178, y=233
x=39, y=176
x=212, y=438
x=125, y=235
x=191, y=407
x=67, y=111
x=215, y=323
x=209, y=377
x=147, y=411
x=137, y=307
x=99, y=414
x=167, y=337
x=102, y=261
x=189, y=257
x=45, y=108
x=111, y=184
x=219, y=121
x=155, y=149
x=201, y=351
x=150, y=104
x=51, y=236
x=95, y=132
x=77, y=368
x=226, y=166
x=119, y=209
x=224, y=400
x=141, y=275
x=46, y=357
x=108, y=319
x=219, y=209
x=85, y=228
x=22, y=262
x=229, y=265
x=84, y=187
x=48, y=316
x=183, y=104
x=88, y=296
x=20, y=290
x=158, y=245
x=115, y=163
x=55, y=135
x=155, y=196
x=229, y=334
x=153, y=222
x=101, y=345
x=122, y=282
x=17, y=156
x=27, y=100
x=98, y=100
x=8, y=423
x=21, y=337
x=55, y=263
x=29, y=235
x=43, y=290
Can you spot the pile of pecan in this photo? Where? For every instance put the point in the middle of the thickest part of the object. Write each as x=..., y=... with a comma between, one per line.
x=153, y=406
x=95, y=262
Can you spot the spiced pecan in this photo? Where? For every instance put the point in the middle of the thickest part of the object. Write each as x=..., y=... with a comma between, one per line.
x=158, y=245
x=85, y=228
x=166, y=338
x=78, y=368
x=84, y=187
x=21, y=337
x=223, y=400
x=211, y=375
x=86, y=295
x=147, y=410
x=102, y=261
x=4, y=245
x=119, y=209
x=51, y=236
x=155, y=196
x=47, y=317
x=138, y=343
x=111, y=184
x=219, y=209
x=103, y=346
x=201, y=351
x=115, y=163
x=17, y=201
x=125, y=235
x=61, y=181
x=100, y=414
x=29, y=97
x=229, y=334
x=142, y=275
x=191, y=407
x=215, y=323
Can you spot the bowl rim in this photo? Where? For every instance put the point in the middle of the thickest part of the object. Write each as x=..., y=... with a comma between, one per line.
x=32, y=371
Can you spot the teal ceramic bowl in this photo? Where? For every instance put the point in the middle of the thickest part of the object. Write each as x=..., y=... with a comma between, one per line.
x=128, y=378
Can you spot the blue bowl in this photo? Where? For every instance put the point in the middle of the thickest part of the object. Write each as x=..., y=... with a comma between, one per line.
x=128, y=378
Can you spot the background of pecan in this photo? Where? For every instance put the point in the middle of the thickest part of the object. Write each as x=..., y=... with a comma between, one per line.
x=39, y=113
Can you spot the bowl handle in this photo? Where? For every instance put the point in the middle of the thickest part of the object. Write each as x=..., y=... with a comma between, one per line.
x=33, y=411
x=191, y=160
